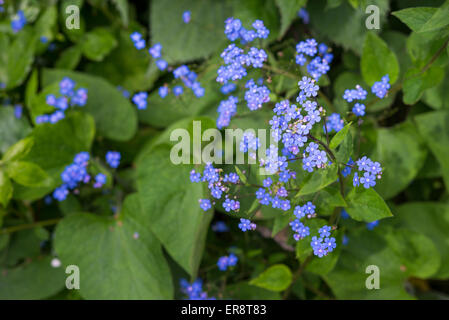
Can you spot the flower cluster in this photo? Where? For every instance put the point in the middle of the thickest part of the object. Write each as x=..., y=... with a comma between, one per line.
x=226, y=110
x=138, y=41
x=228, y=88
x=236, y=62
x=234, y=30
x=2, y=2
x=246, y=225
x=225, y=262
x=323, y=244
x=218, y=185
x=334, y=123
x=70, y=97
x=369, y=172
x=113, y=159
x=188, y=77
x=75, y=174
x=256, y=95
x=18, y=22
x=194, y=291
x=381, y=87
x=319, y=64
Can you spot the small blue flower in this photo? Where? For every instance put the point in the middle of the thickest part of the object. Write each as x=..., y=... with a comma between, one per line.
x=177, y=90
x=186, y=16
x=163, y=91
x=140, y=100
x=205, y=204
x=113, y=159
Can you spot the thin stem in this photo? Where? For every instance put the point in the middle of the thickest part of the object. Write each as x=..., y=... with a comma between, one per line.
x=29, y=226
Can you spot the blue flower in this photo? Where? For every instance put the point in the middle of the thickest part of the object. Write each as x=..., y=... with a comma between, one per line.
x=140, y=100
x=368, y=180
x=359, y=109
x=246, y=224
x=155, y=51
x=177, y=90
x=113, y=159
x=100, y=180
x=220, y=226
x=205, y=204
x=186, y=16
x=163, y=91
x=161, y=64
x=18, y=22
x=380, y=88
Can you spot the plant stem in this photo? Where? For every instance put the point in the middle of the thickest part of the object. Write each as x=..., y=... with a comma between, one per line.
x=29, y=226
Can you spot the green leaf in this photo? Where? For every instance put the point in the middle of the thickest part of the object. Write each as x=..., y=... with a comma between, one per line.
x=432, y=220
x=18, y=65
x=348, y=32
x=318, y=180
x=241, y=175
x=28, y=174
x=378, y=60
x=5, y=189
x=11, y=128
x=198, y=39
x=417, y=82
x=415, y=18
x=54, y=147
x=416, y=251
x=366, y=205
x=437, y=97
x=126, y=66
x=118, y=258
x=328, y=199
x=434, y=128
x=275, y=278
x=438, y=20
x=289, y=11
x=98, y=43
x=340, y=136
x=400, y=149
x=171, y=202
x=115, y=118
x=69, y=58
x=18, y=150
x=31, y=281
x=31, y=88
x=348, y=279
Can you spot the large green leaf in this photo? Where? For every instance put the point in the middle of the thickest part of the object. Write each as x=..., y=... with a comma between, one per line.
x=171, y=202
x=366, y=205
x=348, y=32
x=434, y=127
x=378, y=60
x=18, y=65
x=401, y=151
x=55, y=146
x=366, y=248
x=438, y=20
x=115, y=117
x=432, y=220
x=417, y=82
x=197, y=39
x=11, y=128
x=275, y=278
x=415, y=18
x=33, y=280
x=118, y=258
x=417, y=252
x=28, y=174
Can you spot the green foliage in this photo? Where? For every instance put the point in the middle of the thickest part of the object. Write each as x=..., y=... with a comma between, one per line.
x=140, y=233
x=378, y=60
x=275, y=278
